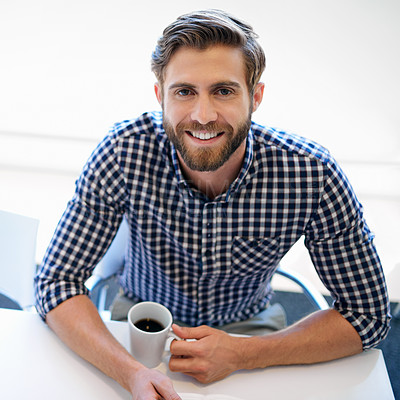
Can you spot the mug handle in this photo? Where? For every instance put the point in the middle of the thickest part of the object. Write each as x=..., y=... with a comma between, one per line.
x=171, y=337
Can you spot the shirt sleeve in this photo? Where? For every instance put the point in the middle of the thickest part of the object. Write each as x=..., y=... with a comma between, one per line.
x=342, y=250
x=85, y=230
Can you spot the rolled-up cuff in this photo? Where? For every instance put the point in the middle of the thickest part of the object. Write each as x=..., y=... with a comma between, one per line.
x=372, y=329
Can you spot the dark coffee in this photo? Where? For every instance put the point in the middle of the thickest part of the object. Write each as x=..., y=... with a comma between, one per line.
x=149, y=325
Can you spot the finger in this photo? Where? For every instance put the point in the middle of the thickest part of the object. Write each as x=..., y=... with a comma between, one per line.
x=185, y=365
x=183, y=348
x=191, y=333
x=166, y=390
x=191, y=367
x=169, y=395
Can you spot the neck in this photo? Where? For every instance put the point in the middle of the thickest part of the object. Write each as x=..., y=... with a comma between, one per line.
x=214, y=183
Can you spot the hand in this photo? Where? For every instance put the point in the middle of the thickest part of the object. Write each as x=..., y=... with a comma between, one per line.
x=212, y=356
x=150, y=384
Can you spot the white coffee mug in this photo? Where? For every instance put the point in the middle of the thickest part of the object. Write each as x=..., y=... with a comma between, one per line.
x=146, y=346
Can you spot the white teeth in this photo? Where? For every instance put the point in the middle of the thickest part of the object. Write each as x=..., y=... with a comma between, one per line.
x=204, y=136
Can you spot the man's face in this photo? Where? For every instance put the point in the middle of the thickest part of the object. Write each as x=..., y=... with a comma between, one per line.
x=207, y=106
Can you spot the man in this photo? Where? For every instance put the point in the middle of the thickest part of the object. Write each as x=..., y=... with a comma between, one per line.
x=213, y=202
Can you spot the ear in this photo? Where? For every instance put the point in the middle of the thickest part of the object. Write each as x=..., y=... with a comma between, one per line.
x=258, y=95
x=158, y=92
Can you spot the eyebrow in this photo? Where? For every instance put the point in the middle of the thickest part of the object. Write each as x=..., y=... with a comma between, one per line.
x=180, y=84
x=213, y=86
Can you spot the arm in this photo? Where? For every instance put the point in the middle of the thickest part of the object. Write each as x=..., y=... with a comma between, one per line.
x=341, y=247
x=344, y=255
x=90, y=338
x=322, y=336
x=82, y=237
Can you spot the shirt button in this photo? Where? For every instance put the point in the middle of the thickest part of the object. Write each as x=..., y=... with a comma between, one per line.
x=208, y=253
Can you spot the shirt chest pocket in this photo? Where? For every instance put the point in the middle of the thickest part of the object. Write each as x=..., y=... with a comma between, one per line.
x=254, y=255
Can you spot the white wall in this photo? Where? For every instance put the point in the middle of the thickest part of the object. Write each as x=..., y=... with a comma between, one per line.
x=74, y=67
x=69, y=69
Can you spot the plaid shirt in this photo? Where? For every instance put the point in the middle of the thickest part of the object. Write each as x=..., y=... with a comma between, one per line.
x=211, y=261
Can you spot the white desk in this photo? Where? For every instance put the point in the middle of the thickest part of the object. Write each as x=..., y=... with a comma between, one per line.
x=35, y=364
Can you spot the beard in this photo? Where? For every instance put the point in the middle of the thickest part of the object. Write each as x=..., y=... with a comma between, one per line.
x=207, y=158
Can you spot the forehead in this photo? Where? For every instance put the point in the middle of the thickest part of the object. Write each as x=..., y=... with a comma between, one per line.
x=212, y=64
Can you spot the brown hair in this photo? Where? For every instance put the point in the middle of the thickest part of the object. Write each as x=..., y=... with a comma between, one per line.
x=202, y=29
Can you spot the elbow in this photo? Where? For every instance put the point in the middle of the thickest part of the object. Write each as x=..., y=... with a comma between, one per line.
x=372, y=329
x=376, y=332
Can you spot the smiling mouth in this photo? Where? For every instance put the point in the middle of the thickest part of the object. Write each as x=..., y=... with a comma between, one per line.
x=204, y=135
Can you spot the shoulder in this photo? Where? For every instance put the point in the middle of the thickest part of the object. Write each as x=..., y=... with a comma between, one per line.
x=132, y=140
x=289, y=144
x=142, y=136
x=146, y=125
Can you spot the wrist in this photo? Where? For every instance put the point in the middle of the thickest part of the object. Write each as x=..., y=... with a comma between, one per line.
x=252, y=352
x=130, y=372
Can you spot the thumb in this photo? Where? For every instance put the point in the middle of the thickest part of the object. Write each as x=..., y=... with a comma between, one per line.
x=191, y=333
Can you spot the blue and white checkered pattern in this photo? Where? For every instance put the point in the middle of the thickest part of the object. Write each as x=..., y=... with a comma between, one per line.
x=211, y=262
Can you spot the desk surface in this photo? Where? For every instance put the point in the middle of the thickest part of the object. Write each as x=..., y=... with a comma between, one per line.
x=34, y=361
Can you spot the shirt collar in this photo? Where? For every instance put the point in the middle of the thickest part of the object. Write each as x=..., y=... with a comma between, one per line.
x=177, y=168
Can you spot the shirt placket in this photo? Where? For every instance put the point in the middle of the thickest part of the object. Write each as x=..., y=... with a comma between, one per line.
x=206, y=299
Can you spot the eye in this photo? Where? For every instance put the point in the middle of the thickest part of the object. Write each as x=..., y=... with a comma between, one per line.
x=183, y=92
x=224, y=91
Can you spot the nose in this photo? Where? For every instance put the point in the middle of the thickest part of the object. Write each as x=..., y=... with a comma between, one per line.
x=204, y=111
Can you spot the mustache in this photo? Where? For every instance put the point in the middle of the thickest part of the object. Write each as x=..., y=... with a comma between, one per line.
x=210, y=127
